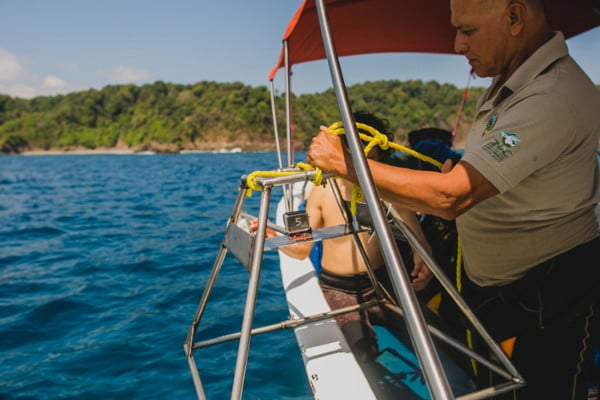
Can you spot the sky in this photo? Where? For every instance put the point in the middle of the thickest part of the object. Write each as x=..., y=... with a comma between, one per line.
x=60, y=46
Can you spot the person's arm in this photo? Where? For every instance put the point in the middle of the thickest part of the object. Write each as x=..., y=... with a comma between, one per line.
x=421, y=275
x=301, y=250
x=446, y=195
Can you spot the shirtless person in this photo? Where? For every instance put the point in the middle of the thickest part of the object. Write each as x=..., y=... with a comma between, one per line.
x=344, y=278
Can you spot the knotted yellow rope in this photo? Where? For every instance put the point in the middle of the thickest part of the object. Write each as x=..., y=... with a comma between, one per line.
x=373, y=138
x=251, y=179
x=376, y=138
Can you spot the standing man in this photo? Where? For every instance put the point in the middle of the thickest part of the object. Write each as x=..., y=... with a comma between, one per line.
x=523, y=194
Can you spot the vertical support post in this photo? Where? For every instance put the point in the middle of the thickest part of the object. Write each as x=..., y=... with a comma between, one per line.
x=288, y=189
x=429, y=360
x=255, y=266
x=288, y=105
x=275, y=130
x=189, y=341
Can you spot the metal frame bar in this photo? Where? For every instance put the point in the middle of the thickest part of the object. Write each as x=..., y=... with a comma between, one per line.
x=275, y=129
x=379, y=290
x=247, y=331
x=462, y=305
x=288, y=124
x=435, y=376
x=248, y=318
x=188, y=344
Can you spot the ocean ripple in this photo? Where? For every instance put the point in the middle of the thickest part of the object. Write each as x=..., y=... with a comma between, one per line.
x=102, y=264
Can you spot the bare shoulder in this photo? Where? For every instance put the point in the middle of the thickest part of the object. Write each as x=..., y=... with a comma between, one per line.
x=316, y=196
x=323, y=206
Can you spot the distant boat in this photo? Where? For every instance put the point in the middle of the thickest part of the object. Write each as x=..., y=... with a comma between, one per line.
x=232, y=150
x=221, y=150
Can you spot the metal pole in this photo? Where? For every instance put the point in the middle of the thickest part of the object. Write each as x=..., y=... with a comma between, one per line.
x=453, y=293
x=246, y=332
x=435, y=377
x=214, y=273
x=275, y=130
x=189, y=341
x=288, y=104
x=286, y=189
x=355, y=239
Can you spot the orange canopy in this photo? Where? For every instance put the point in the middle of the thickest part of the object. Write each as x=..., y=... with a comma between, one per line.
x=380, y=26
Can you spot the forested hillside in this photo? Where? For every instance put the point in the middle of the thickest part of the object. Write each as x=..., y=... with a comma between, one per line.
x=168, y=117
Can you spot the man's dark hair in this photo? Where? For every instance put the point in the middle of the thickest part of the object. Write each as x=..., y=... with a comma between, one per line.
x=382, y=125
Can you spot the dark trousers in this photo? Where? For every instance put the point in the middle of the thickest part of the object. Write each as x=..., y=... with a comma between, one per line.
x=552, y=312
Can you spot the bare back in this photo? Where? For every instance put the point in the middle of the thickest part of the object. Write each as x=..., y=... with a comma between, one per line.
x=340, y=255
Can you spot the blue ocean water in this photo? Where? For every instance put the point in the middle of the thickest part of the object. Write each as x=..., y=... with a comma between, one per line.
x=103, y=260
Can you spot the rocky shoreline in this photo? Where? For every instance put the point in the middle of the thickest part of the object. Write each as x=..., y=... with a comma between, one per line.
x=152, y=148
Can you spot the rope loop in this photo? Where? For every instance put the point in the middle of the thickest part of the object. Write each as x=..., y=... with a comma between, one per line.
x=318, y=178
x=373, y=138
x=252, y=184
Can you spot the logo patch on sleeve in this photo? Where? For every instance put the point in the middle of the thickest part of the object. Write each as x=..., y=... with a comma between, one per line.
x=509, y=139
x=501, y=148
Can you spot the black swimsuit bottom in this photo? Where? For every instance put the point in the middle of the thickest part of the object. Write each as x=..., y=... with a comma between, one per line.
x=352, y=283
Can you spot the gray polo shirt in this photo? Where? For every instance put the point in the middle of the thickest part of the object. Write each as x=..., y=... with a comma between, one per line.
x=536, y=142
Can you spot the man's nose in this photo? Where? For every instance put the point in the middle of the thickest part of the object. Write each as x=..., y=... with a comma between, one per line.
x=460, y=43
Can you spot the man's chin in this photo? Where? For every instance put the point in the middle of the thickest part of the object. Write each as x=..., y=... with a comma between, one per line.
x=480, y=72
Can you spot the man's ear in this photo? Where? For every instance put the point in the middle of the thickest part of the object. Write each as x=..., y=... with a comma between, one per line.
x=516, y=17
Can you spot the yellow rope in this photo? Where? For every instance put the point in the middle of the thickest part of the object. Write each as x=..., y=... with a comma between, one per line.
x=318, y=179
x=470, y=344
x=251, y=179
x=378, y=138
x=375, y=138
x=458, y=266
x=253, y=176
x=357, y=195
x=469, y=333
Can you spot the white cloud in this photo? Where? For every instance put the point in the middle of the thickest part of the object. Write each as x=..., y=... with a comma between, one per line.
x=10, y=67
x=53, y=83
x=17, y=81
x=19, y=90
x=126, y=75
